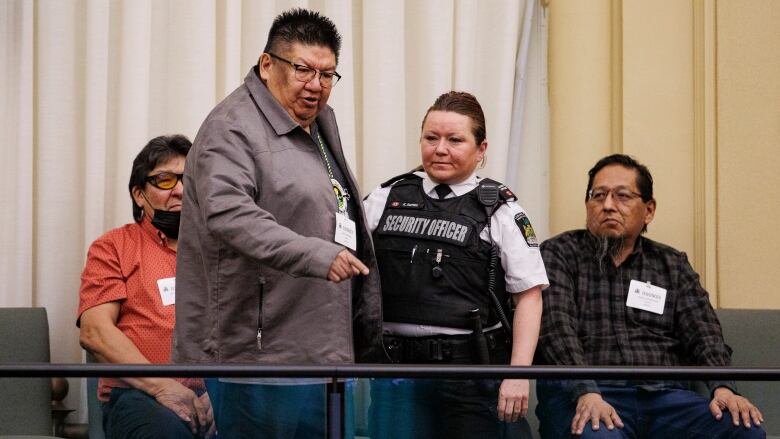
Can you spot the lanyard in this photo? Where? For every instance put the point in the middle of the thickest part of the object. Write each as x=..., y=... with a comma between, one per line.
x=325, y=156
x=338, y=190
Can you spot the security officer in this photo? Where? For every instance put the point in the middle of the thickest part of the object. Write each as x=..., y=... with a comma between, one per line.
x=452, y=249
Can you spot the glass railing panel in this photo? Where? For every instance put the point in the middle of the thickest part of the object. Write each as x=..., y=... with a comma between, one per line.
x=366, y=401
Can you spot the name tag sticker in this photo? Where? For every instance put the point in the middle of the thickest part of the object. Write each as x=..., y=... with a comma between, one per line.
x=346, y=232
x=644, y=296
x=167, y=288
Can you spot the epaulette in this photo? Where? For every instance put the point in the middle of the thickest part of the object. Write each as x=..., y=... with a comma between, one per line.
x=397, y=178
x=504, y=192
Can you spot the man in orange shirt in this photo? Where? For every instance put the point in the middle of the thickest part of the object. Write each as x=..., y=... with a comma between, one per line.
x=127, y=305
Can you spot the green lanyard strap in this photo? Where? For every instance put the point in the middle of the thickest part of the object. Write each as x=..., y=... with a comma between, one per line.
x=340, y=192
x=325, y=156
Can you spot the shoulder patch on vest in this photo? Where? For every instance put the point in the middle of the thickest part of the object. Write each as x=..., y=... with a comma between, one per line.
x=506, y=193
x=522, y=221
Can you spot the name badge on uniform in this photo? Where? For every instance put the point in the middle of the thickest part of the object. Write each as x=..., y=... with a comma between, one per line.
x=643, y=295
x=167, y=288
x=346, y=232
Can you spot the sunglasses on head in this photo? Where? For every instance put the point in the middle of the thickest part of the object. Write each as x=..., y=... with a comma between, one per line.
x=164, y=180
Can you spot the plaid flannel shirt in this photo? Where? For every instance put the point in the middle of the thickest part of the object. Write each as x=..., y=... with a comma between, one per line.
x=586, y=320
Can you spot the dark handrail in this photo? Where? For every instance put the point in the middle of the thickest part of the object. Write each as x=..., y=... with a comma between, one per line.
x=335, y=419
x=387, y=371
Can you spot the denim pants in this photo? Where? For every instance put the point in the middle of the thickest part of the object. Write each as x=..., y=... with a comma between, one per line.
x=429, y=409
x=255, y=411
x=646, y=414
x=134, y=414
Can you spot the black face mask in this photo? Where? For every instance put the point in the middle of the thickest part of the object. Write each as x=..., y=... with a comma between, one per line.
x=167, y=222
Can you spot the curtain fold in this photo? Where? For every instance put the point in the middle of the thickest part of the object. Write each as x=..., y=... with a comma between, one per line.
x=16, y=168
x=383, y=82
x=528, y=158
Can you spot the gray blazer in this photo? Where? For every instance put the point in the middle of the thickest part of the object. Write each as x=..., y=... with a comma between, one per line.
x=256, y=243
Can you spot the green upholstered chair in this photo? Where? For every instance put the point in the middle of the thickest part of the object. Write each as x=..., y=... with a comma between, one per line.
x=754, y=335
x=25, y=404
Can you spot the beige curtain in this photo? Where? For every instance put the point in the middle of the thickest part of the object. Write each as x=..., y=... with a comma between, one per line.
x=86, y=83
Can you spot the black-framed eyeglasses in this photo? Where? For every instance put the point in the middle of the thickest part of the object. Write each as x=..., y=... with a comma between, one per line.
x=305, y=73
x=621, y=195
x=164, y=180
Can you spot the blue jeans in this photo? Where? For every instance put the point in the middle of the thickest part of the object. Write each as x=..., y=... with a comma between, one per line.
x=274, y=411
x=133, y=414
x=428, y=409
x=667, y=413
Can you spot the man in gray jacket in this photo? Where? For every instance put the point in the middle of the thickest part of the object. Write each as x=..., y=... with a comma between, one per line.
x=275, y=264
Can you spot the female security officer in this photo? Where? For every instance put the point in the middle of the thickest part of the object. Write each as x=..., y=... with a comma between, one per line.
x=436, y=234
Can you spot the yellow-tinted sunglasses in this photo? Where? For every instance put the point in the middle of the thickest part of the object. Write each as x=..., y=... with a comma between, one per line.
x=164, y=180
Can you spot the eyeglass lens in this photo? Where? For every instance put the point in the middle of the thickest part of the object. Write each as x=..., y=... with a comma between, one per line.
x=306, y=74
x=164, y=180
x=620, y=195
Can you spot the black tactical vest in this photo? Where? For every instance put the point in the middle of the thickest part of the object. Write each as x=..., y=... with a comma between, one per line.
x=432, y=262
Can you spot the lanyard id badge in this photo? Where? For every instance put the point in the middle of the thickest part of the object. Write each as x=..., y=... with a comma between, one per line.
x=167, y=288
x=346, y=231
x=644, y=296
x=345, y=227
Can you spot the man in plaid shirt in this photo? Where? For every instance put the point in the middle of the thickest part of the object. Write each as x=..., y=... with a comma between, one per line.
x=617, y=298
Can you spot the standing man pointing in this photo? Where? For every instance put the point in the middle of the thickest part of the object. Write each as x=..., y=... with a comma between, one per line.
x=274, y=252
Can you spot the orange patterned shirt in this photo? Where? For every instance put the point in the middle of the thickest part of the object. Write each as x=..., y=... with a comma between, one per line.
x=124, y=266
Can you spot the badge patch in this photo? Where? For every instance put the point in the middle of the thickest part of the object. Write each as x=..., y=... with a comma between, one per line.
x=508, y=194
x=413, y=225
x=526, y=229
x=341, y=195
x=405, y=205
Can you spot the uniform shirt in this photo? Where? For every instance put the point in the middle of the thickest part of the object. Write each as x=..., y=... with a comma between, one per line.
x=586, y=321
x=521, y=261
x=124, y=266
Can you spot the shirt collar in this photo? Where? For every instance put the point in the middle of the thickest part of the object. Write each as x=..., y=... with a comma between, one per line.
x=458, y=189
x=281, y=122
x=158, y=236
x=638, y=250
